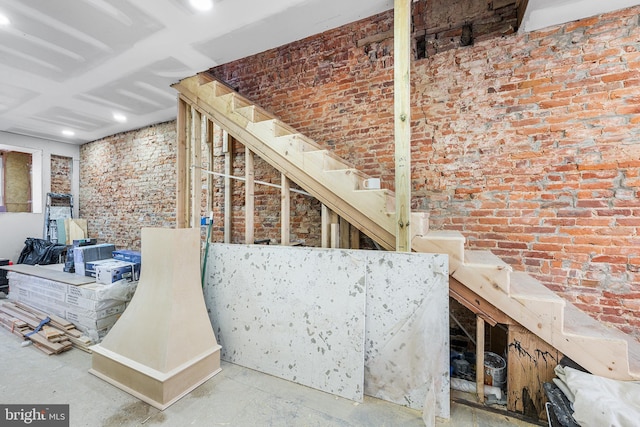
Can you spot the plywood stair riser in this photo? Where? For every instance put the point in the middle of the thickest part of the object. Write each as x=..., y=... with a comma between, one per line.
x=602, y=350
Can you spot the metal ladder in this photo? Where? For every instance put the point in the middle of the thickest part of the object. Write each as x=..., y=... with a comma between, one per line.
x=62, y=209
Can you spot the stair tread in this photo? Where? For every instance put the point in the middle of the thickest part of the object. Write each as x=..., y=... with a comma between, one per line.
x=578, y=322
x=444, y=235
x=484, y=258
x=524, y=286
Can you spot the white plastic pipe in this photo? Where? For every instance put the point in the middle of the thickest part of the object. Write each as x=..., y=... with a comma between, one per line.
x=470, y=387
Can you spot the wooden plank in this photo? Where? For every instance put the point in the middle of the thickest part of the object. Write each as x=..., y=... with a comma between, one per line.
x=249, y=202
x=530, y=363
x=325, y=226
x=402, y=120
x=285, y=211
x=196, y=167
x=227, y=144
x=480, y=359
x=181, y=165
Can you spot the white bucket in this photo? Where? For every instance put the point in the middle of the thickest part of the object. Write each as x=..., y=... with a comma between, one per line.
x=495, y=369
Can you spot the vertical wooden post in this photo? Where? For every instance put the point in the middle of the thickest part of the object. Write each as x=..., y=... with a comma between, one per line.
x=355, y=237
x=480, y=358
x=210, y=132
x=335, y=235
x=196, y=167
x=285, y=211
x=181, y=165
x=227, y=147
x=344, y=233
x=325, y=217
x=248, y=198
x=402, y=113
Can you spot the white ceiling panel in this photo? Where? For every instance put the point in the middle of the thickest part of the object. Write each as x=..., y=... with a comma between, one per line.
x=72, y=64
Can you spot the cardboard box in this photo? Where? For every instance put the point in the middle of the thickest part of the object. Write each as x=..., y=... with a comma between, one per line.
x=107, y=271
x=84, y=254
x=127, y=255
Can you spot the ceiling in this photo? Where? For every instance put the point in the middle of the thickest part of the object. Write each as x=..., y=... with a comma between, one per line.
x=70, y=65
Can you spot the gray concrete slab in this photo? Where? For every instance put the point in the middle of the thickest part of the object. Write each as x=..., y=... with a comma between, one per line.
x=236, y=397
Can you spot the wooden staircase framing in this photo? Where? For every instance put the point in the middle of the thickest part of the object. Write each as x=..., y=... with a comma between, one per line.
x=600, y=349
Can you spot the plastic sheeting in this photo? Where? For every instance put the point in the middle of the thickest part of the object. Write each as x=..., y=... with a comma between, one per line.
x=599, y=401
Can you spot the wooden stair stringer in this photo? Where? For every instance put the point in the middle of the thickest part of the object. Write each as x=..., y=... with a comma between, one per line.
x=367, y=212
x=601, y=349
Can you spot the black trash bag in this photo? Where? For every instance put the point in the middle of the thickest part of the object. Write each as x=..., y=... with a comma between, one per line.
x=39, y=251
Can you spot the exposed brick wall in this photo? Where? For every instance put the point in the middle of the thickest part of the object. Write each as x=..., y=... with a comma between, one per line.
x=527, y=144
x=128, y=181
x=61, y=173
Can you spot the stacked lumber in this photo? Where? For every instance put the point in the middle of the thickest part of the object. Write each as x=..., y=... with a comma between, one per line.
x=52, y=337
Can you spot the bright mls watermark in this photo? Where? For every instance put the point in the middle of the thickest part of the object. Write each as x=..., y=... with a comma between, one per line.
x=34, y=415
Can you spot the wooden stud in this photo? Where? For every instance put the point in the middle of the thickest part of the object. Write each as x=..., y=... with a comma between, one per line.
x=480, y=358
x=325, y=226
x=285, y=211
x=344, y=233
x=211, y=130
x=402, y=113
x=249, y=201
x=354, y=239
x=335, y=235
x=181, y=165
x=227, y=144
x=196, y=167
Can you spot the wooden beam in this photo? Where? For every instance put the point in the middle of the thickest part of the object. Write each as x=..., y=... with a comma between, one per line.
x=249, y=201
x=181, y=165
x=196, y=167
x=480, y=359
x=402, y=113
x=285, y=211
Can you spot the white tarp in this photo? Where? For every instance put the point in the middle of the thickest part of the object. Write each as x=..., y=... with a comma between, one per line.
x=599, y=401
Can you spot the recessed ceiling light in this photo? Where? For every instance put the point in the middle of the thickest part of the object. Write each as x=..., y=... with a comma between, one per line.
x=202, y=5
x=4, y=20
x=121, y=118
x=68, y=132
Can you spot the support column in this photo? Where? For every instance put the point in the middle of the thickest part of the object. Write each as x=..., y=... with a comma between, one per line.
x=402, y=113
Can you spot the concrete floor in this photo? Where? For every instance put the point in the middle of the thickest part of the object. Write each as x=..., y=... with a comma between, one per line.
x=235, y=397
